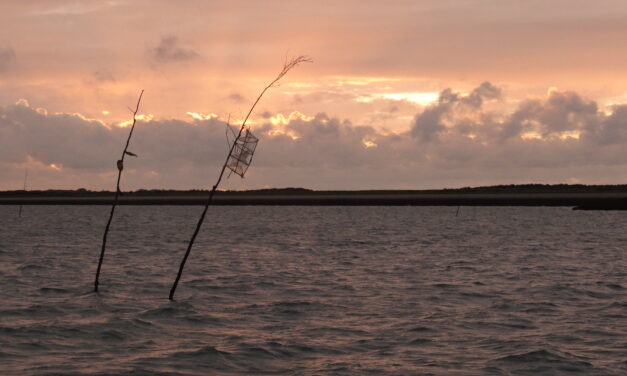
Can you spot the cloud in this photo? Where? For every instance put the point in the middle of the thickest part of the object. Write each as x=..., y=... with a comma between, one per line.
x=169, y=51
x=558, y=138
x=103, y=75
x=432, y=121
x=60, y=147
x=60, y=139
x=236, y=97
x=7, y=56
x=559, y=112
x=559, y=131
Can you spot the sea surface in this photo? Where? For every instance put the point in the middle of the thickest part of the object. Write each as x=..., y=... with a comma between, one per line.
x=314, y=291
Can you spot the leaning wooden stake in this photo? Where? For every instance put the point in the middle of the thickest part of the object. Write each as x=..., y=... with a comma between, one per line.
x=286, y=68
x=120, y=165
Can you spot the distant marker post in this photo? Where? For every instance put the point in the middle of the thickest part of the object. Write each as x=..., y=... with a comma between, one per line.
x=19, y=214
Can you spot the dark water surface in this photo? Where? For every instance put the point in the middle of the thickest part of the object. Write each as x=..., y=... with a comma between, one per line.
x=314, y=291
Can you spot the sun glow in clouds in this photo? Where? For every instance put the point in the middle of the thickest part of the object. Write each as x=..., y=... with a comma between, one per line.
x=532, y=135
x=551, y=90
x=368, y=143
x=570, y=134
x=301, y=85
x=422, y=98
x=201, y=116
x=616, y=101
x=565, y=135
x=361, y=81
x=280, y=121
x=142, y=117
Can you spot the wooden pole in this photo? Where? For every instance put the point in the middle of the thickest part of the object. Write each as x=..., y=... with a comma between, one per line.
x=286, y=68
x=120, y=165
x=19, y=214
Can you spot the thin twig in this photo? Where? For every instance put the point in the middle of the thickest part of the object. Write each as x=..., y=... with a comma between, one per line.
x=120, y=164
x=287, y=66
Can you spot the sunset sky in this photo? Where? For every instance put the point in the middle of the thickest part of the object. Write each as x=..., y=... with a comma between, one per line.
x=401, y=94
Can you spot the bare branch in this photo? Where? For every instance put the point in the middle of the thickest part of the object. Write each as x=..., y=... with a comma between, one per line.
x=120, y=165
x=287, y=66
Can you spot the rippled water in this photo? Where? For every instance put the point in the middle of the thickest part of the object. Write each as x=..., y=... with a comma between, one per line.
x=314, y=291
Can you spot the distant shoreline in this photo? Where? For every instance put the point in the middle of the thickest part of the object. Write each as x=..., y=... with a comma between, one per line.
x=579, y=197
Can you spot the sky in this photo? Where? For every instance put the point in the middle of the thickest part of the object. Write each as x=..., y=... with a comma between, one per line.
x=401, y=94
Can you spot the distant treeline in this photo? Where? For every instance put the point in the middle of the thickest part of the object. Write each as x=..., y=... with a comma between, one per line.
x=511, y=188
x=82, y=192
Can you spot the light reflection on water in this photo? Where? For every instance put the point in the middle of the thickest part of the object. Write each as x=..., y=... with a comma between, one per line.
x=314, y=290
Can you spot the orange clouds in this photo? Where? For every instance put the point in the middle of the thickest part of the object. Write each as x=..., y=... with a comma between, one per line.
x=383, y=66
x=456, y=141
x=83, y=56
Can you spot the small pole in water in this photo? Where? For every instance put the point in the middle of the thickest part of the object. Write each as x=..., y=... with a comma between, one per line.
x=287, y=66
x=457, y=213
x=120, y=165
x=19, y=214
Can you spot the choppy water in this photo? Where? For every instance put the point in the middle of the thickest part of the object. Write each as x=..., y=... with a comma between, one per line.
x=314, y=291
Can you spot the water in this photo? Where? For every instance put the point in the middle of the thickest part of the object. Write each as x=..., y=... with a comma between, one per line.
x=314, y=291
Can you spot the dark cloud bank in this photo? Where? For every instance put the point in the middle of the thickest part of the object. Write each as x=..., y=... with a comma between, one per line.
x=456, y=141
